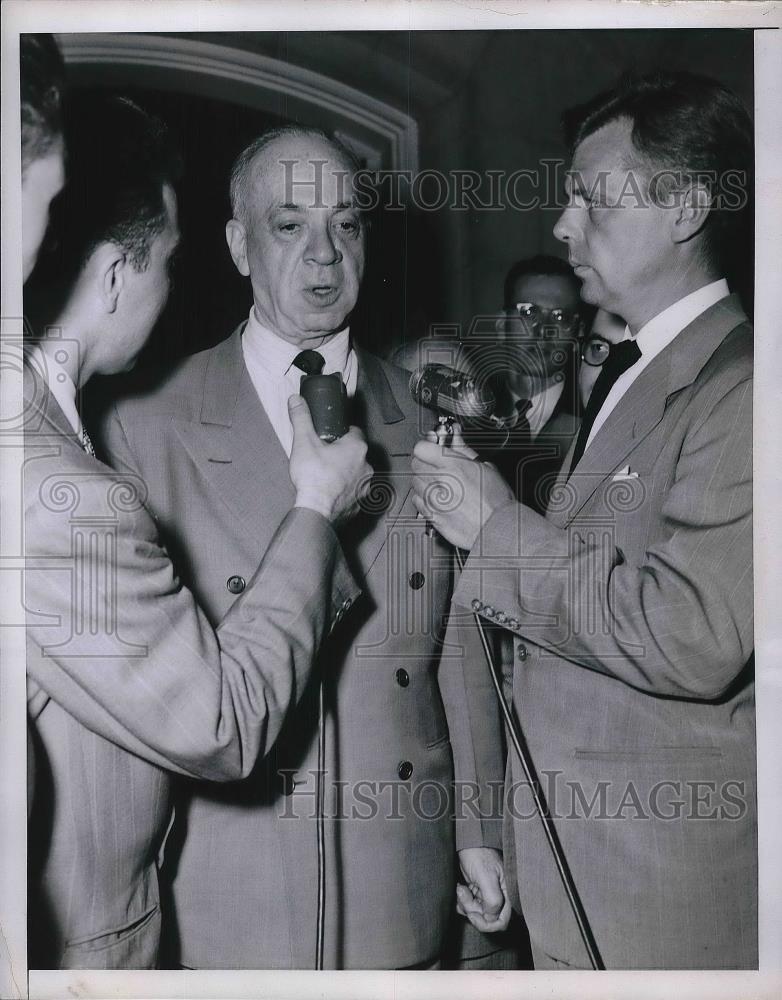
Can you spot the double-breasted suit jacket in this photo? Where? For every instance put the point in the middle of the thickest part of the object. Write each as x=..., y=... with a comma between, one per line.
x=128, y=681
x=245, y=878
x=631, y=607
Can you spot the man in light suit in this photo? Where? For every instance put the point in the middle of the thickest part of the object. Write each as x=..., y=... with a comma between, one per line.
x=630, y=602
x=211, y=445
x=127, y=678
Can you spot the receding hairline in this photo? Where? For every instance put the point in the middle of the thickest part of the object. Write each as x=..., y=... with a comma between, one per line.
x=244, y=174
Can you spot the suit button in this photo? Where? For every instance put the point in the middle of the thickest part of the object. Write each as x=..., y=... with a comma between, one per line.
x=416, y=580
x=402, y=678
x=523, y=652
x=500, y=617
x=476, y=605
x=514, y=624
x=235, y=584
x=404, y=770
x=488, y=611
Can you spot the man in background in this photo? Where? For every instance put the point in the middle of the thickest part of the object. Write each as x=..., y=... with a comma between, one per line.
x=533, y=364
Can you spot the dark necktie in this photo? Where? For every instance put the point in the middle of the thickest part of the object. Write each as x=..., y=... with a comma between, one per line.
x=623, y=356
x=519, y=434
x=310, y=362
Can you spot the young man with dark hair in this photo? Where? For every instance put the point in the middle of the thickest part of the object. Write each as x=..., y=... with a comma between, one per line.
x=127, y=678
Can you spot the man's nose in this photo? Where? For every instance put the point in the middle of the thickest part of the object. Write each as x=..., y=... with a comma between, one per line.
x=321, y=247
x=564, y=228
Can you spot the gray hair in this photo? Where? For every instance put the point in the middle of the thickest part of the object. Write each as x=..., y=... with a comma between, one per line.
x=241, y=171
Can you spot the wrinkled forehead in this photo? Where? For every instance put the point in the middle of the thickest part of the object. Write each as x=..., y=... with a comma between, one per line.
x=303, y=171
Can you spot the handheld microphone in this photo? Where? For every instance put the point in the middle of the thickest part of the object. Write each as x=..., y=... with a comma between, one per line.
x=452, y=393
x=327, y=398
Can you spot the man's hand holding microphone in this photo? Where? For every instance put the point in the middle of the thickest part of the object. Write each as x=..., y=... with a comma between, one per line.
x=329, y=477
x=479, y=485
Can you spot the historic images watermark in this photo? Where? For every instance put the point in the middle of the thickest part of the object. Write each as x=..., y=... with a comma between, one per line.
x=549, y=186
x=671, y=799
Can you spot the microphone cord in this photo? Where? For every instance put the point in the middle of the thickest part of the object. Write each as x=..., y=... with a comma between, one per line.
x=321, y=831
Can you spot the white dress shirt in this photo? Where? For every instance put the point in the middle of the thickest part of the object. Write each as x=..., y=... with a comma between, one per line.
x=542, y=406
x=60, y=384
x=656, y=335
x=542, y=395
x=269, y=361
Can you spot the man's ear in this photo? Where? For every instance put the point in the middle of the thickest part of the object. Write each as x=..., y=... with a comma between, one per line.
x=110, y=265
x=236, y=237
x=692, y=213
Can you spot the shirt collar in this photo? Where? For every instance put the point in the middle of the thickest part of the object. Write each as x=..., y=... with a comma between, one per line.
x=661, y=330
x=59, y=382
x=276, y=355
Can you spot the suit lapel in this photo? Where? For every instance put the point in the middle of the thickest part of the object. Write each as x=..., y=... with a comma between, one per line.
x=643, y=406
x=236, y=446
x=376, y=411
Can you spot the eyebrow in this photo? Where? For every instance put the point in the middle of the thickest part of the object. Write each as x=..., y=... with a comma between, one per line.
x=289, y=206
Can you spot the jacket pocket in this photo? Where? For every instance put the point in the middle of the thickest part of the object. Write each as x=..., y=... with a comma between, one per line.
x=439, y=742
x=133, y=945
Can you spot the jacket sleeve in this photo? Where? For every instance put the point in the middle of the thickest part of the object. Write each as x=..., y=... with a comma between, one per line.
x=120, y=644
x=677, y=623
x=475, y=728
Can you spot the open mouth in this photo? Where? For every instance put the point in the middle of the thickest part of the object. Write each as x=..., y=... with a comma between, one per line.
x=322, y=295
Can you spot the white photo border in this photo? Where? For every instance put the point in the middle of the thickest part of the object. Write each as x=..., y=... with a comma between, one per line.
x=329, y=15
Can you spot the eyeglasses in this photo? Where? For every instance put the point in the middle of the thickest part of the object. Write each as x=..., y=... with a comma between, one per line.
x=596, y=351
x=536, y=315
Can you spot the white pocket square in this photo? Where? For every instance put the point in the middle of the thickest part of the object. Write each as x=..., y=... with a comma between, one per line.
x=624, y=474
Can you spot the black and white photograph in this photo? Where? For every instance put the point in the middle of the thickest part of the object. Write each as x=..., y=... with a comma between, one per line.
x=389, y=499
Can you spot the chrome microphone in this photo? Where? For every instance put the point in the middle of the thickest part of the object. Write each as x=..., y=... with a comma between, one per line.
x=452, y=393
